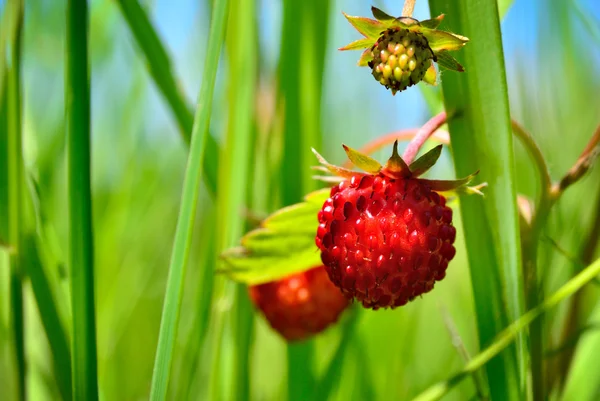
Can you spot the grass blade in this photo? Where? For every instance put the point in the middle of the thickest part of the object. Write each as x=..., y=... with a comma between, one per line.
x=14, y=147
x=203, y=301
x=333, y=373
x=481, y=140
x=187, y=211
x=49, y=314
x=508, y=335
x=242, y=41
x=301, y=69
x=583, y=382
x=160, y=69
x=81, y=239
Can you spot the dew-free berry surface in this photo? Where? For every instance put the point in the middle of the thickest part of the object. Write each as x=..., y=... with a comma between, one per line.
x=301, y=305
x=400, y=58
x=385, y=241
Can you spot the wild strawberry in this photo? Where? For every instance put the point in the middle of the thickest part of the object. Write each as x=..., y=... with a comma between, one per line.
x=400, y=58
x=386, y=236
x=301, y=305
x=401, y=51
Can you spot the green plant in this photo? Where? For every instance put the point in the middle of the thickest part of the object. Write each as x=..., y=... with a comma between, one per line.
x=117, y=202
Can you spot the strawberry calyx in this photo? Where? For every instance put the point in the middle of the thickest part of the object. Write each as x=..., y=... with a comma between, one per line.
x=396, y=168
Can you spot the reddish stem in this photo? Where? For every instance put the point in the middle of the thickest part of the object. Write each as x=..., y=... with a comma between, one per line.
x=423, y=135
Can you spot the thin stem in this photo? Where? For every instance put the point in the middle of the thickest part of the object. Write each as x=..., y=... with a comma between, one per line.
x=300, y=375
x=15, y=191
x=538, y=158
x=549, y=194
x=423, y=135
x=331, y=377
x=581, y=166
x=462, y=351
x=81, y=247
x=187, y=211
x=508, y=335
x=409, y=6
x=159, y=67
x=587, y=253
x=529, y=254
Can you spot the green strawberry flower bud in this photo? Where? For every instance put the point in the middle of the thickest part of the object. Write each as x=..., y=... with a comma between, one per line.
x=400, y=58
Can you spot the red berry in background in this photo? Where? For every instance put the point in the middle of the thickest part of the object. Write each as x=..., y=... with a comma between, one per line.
x=386, y=237
x=301, y=305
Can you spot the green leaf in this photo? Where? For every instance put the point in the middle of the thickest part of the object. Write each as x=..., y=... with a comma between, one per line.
x=583, y=384
x=286, y=219
x=482, y=140
x=333, y=169
x=508, y=335
x=283, y=245
x=161, y=71
x=365, y=57
x=367, y=27
x=46, y=301
x=472, y=190
x=187, y=211
x=503, y=7
x=425, y=162
x=13, y=151
x=3, y=159
x=445, y=60
x=81, y=233
x=381, y=16
x=450, y=185
x=432, y=23
x=363, y=162
x=442, y=40
x=359, y=44
x=333, y=373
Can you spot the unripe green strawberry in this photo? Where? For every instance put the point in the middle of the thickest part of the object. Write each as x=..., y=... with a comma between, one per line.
x=300, y=305
x=401, y=51
x=400, y=58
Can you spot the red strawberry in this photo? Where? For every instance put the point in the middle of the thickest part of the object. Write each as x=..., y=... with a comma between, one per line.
x=301, y=305
x=386, y=236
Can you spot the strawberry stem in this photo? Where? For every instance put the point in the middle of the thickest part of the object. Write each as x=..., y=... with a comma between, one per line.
x=422, y=136
x=581, y=166
x=401, y=135
x=409, y=6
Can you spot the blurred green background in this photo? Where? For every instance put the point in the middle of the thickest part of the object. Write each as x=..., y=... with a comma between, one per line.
x=304, y=93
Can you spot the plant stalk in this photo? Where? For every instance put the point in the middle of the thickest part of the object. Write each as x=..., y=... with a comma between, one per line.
x=81, y=239
x=423, y=134
x=187, y=211
x=409, y=7
x=15, y=198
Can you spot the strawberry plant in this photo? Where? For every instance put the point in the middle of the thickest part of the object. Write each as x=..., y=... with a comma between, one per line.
x=179, y=221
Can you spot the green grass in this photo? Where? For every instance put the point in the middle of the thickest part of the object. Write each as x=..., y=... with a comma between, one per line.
x=482, y=140
x=129, y=212
x=81, y=237
x=15, y=214
x=160, y=69
x=187, y=212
